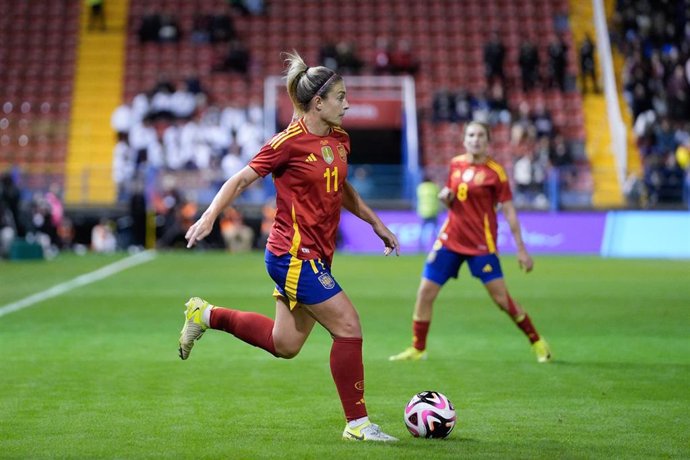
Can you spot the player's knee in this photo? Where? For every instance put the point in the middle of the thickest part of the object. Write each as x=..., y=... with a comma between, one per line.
x=287, y=351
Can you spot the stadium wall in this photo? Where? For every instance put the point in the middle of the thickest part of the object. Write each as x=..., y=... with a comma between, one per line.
x=645, y=234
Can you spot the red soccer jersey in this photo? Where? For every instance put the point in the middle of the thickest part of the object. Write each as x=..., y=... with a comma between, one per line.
x=471, y=227
x=309, y=172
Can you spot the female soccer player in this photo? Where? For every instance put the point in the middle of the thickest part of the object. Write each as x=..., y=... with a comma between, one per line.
x=476, y=185
x=309, y=165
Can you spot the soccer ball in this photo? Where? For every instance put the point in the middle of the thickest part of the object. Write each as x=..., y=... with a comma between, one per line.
x=430, y=414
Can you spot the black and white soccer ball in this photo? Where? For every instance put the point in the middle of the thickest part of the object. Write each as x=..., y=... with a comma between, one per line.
x=430, y=414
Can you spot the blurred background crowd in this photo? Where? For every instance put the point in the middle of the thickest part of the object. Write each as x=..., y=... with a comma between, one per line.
x=190, y=110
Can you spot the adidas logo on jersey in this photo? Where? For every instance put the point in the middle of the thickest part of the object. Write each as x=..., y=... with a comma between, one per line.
x=311, y=158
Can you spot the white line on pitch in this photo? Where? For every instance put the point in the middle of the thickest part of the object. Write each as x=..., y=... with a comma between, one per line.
x=79, y=281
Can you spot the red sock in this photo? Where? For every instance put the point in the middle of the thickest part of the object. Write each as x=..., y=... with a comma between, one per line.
x=253, y=328
x=420, y=329
x=348, y=373
x=523, y=322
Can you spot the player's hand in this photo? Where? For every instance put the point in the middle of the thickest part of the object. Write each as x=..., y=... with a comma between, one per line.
x=389, y=239
x=446, y=196
x=525, y=262
x=199, y=230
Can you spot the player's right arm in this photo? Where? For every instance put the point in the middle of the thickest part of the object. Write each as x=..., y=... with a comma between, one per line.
x=231, y=189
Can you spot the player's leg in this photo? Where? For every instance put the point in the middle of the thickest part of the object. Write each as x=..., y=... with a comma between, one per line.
x=488, y=270
x=338, y=315
x=291, y=328
x=440, y=266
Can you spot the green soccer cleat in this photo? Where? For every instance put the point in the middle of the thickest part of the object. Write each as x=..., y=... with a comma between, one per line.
x=410, y=354
x=542, y=350
x=193, y=327
x=367, y=431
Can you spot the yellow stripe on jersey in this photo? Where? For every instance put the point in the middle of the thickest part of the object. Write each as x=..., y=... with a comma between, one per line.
x=292, y=130
x=499, y=170
x=339, y=129
x=490, y=244
x=296, y=238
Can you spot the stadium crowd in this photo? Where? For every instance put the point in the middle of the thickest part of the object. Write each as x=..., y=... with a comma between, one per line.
x=654, y=37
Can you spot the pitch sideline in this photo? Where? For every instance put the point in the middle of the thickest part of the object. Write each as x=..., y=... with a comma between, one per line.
x=81, y=280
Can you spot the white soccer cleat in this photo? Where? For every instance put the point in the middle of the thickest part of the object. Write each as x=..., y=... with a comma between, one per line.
x=367, y=431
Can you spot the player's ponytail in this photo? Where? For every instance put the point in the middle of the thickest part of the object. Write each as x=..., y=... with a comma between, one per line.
x=303, y=82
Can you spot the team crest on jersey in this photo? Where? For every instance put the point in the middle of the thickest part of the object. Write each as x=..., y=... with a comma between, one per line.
x=342, y=152
x=479, y=177
x=327, y=154
x=467, y=175
x=326, y=281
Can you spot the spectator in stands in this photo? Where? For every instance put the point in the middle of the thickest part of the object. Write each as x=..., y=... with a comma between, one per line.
x=542, y=120
x=150, y=27
x=328, y=54
x=528, y=59
x=523, y=176
x=499, y=112
x=268, y=217
x=678, y=94
x=137, y=214
x=11, y=221
x=664, y=138
x=250, y=134
x=221, y=27
x=96, y=14
x=237, y=58
x=238, y=236
x=169, y=30
x=494, y=56
x=232, y=163
x=558, y=63
x=641, y=100
x=121, y=120
x=634, y=191
x=382, y=56
x=561, y=160
x=201, y=28
x=103, y=237
x=443, y=106
x=124, y=165
x=178, y=214
x=348, y=61
x=481, y=108
x=248, y=7
x=462, y=107
x=402, y=60
x=588, y=68
x=522, y=124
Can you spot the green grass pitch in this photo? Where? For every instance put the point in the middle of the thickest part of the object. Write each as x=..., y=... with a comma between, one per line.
x=94, y=372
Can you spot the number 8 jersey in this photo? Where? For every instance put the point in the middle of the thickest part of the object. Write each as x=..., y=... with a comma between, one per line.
x=471, y=227
x=309, y=172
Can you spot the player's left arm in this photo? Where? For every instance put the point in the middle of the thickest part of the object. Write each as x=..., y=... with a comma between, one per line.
x=356, y=205
x=524, y=260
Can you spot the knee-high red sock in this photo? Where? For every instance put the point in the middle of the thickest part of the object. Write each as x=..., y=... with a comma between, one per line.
x=420, y=329
x=522, y=321
x=348, y=373
x=253, y=328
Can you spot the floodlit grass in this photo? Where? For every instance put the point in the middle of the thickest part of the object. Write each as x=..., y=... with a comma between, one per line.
x=94, y=373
